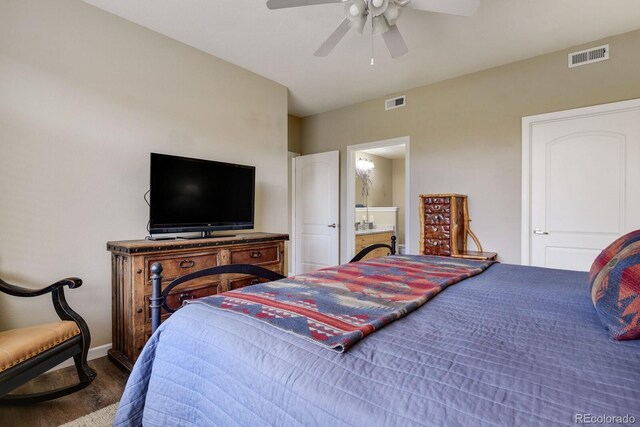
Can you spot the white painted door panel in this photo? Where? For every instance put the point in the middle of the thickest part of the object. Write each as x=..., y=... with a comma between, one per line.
x=585, y=187
x=316, y=211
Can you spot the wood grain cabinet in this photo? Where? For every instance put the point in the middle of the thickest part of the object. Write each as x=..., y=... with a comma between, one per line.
x=368, y=239
x=444, y=226
x=131, y=279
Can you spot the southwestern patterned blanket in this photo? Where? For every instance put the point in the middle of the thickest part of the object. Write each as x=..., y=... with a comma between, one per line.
x=336, y=307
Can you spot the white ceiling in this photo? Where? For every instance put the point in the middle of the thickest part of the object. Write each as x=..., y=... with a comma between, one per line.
x=279, y=44
x=393, y=152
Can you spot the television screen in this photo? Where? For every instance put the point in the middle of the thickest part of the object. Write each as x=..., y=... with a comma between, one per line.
x=200, y=195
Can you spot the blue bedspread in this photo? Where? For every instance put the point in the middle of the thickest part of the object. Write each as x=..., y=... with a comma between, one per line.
x=511, y=346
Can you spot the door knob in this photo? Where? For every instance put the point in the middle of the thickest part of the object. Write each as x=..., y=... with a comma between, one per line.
x=332, y=225
x=539, y=232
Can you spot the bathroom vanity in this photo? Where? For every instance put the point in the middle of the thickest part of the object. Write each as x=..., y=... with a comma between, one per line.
x=375, y=225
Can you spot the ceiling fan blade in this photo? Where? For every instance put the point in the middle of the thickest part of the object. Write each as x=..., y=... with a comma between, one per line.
x=333, y=39
x=452, y=7
x=395, y=43
x=281, y=4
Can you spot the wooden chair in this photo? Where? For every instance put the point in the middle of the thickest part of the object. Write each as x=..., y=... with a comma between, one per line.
x=26, y=353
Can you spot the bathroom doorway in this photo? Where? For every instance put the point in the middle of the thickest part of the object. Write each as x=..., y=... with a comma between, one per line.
x=378, y=202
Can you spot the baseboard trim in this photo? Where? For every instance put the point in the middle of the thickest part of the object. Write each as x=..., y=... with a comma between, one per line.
x=94, y=353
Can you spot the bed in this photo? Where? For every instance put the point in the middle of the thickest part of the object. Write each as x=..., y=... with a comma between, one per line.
x=513, y=345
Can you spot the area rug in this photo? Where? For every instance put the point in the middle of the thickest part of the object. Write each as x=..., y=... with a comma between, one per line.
x=100, y=418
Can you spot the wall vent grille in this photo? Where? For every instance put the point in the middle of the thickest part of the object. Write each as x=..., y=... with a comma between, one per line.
x=589, y=56
x=398, y=102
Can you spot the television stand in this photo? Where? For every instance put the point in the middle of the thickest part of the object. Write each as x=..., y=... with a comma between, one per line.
x=156, y=238
x=131, y=263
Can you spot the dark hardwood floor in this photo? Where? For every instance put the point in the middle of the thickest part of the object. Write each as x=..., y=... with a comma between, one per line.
x=106, y=389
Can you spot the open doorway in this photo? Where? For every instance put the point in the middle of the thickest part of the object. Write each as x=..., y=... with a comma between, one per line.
x=377, y=194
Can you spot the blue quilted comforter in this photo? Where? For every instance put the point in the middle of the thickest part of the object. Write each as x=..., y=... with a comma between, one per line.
x=511, y=346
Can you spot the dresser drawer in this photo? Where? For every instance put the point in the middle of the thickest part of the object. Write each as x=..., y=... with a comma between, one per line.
x=383, y=238
x=442, y=232
x=255, y=255
x=437, y=201
x=437, y=247
x=437, y=208
x=176, y=266
x=179, y=294
x=245, y=281
x=174, y=299
x=364, y=239
x=443, y=218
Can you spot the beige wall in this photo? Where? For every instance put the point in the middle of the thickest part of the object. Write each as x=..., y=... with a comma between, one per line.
x=85, y=96
x=466, y=132
x=380, y=190
x=397, y=182
x=294, y=134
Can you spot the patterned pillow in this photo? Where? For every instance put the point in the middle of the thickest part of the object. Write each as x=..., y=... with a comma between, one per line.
x=615, y=287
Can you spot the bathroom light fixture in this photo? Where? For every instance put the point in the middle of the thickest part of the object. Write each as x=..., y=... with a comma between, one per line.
x=363, y=171
x=364, y=165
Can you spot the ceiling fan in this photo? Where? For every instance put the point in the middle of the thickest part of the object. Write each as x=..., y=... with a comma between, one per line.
x=384, y=14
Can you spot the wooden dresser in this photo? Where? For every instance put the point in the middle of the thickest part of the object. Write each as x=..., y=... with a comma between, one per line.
x=131, y=279
x=444, y=226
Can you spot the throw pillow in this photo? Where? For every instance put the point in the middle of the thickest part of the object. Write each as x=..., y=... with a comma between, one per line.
x=615, y=287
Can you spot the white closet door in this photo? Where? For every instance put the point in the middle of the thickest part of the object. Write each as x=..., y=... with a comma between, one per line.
x=585, y=186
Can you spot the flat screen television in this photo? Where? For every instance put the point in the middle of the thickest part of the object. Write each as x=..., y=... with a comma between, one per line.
x=200, y=195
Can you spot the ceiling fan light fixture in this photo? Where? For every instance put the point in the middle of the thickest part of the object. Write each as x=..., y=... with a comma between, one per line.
x=354, y=9
x=359, y=23
x=392, y=13
x=380, y=25
x=377, y=7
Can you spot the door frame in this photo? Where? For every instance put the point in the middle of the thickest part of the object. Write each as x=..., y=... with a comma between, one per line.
x=291, y=169
x=527, y=146
x=351, y=190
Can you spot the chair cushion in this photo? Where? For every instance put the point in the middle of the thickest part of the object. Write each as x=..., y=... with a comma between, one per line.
x=18, y=345
x=615, y=287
